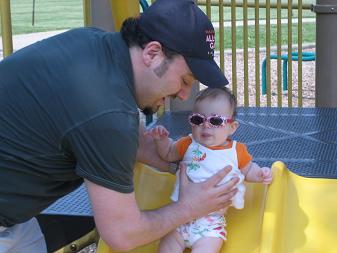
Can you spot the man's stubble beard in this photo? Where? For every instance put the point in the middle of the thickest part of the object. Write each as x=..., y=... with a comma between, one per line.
x=159, y=71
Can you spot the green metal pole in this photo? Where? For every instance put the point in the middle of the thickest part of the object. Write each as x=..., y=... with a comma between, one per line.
x=87, y=13
x=208, y=9
x=257, y=54
x=290, y=63
x=279, y=52
x=221, y=35
x=245, y=53
x=233, y=28
x=6, y=27
x=300, y=86
x=268, y=79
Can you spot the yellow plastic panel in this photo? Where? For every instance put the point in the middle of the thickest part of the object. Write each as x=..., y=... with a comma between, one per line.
x=300, y=215
x=153, y=190
x=122, y=9
x=293, y=215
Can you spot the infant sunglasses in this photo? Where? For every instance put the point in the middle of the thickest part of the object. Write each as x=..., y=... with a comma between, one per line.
x=197, y=119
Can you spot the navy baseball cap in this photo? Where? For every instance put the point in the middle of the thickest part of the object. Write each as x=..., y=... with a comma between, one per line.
x=180, y=25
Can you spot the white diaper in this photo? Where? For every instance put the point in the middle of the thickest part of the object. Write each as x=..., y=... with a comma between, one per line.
x=209, y=226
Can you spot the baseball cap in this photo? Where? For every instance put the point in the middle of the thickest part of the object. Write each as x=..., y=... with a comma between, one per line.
x=180, y=25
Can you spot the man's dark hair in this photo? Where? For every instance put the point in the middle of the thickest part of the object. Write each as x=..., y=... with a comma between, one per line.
x=133, y=36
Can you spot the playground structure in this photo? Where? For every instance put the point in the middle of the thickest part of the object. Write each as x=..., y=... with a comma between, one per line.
x=296, y=213
x=306, y=56
x=285, y=218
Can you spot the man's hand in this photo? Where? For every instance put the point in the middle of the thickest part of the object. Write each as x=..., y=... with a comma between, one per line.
x=200, y=199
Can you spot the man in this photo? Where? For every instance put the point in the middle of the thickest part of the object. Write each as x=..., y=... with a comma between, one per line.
x=69, y=113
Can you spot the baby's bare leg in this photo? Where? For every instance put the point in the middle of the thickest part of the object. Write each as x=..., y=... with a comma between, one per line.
x=207, y=244
x=171, y=243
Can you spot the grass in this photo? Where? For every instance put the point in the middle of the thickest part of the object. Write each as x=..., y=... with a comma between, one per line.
x=50, y=15
x=65, y=14
x=308, y=32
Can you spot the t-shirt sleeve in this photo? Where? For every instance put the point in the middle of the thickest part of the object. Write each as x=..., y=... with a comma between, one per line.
x=182, y=145
x=105, y=149
x=243, y=155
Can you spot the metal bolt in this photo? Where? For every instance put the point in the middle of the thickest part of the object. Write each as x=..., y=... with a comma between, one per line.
x=73, y=247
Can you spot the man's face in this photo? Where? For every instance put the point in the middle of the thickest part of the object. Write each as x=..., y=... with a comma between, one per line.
x=171, y=78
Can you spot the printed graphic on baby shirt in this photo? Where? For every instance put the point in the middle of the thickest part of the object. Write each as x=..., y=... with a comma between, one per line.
x=196, y=158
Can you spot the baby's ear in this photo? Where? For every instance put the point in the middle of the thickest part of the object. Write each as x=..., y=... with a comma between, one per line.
x=233, y=126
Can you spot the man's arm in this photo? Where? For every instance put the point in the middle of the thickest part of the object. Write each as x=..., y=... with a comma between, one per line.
x=123, y=226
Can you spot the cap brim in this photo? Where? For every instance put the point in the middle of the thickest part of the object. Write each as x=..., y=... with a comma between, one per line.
x=207, y=72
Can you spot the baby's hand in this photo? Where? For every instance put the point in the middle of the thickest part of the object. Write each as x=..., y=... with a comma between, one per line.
x=266, y=175
x=159, y=132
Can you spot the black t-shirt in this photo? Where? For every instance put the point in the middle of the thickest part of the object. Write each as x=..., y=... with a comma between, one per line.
x=67, y=111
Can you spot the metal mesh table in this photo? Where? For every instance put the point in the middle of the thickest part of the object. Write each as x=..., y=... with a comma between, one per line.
x=75, y=203
x=305, y=139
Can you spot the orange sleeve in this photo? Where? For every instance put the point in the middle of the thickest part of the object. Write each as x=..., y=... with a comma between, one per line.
x=182, y=145
x=243, y=156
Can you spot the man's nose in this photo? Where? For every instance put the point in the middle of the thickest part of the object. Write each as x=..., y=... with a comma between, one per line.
x=184, y=93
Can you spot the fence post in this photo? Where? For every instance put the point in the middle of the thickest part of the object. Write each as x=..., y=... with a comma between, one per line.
x=110, y=14
x=101, y=15
x=326, y=52
x=6, y=27
x=122, y=9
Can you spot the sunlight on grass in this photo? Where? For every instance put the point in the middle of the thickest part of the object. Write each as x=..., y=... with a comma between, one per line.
x=308, y=31
x=49, y=15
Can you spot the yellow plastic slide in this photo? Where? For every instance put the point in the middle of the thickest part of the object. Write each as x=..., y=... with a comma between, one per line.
x=293, y=215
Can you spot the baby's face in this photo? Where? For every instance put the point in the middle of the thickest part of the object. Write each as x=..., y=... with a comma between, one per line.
x=210, y=136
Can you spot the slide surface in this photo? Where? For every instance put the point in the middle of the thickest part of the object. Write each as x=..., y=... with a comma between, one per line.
x=293, y=215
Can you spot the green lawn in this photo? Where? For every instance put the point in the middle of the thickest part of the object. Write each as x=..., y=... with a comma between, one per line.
x=65, y=14
x=49, y=15
x=308, y=32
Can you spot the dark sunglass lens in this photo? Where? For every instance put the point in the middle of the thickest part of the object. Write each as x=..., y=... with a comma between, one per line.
x=197, y=120
x=216, y=121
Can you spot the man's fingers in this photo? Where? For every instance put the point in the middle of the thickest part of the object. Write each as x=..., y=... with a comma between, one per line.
x=228, y=195
x=225, y=199
x=228, y=187
x=224, y=204
x=216, y=178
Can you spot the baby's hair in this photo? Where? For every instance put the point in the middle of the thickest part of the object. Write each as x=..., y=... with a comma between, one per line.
x=215, y=93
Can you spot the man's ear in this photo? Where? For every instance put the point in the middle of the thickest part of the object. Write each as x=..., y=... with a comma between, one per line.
x=152, y=52
x=233, y=126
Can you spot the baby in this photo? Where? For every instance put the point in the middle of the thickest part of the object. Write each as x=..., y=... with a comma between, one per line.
x=206, y=151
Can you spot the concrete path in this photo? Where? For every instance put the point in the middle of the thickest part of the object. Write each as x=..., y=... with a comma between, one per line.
x=23, y=40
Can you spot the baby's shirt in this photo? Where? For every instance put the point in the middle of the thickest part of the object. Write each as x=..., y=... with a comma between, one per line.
x=203, y=162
